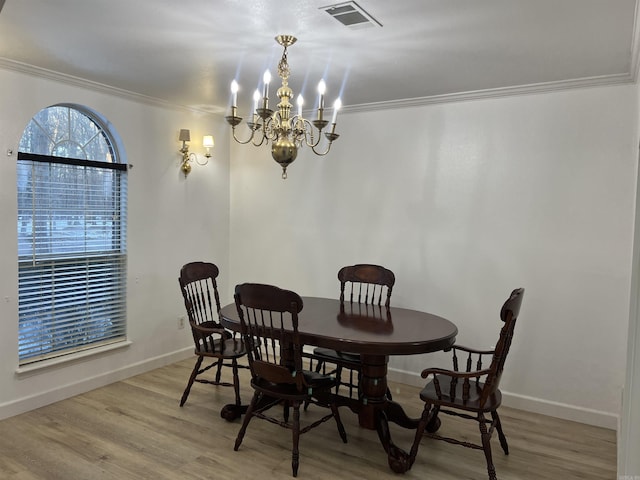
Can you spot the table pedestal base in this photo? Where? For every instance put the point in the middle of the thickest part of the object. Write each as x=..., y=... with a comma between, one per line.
x=231, y=411
x=375, y=410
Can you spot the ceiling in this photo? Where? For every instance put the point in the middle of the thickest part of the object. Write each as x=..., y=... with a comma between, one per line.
x=187, y=52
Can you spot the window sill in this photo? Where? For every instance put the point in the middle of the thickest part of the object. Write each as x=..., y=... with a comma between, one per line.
x=37, y=367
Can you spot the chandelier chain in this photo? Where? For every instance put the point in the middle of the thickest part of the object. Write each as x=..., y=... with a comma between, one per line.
x=283, y=66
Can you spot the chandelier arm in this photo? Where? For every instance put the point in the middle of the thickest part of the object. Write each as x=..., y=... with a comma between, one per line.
x=311, y=143
x=243, y=142
x=321, y=154
x=263, y=137
x=268, y=133
x=307, y=132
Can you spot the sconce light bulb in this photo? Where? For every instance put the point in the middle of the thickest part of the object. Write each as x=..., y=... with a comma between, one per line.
x=207, y=141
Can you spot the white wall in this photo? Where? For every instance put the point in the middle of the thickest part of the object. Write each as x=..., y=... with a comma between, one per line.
x=464, y=202
x=172, y=220
x=629, y=432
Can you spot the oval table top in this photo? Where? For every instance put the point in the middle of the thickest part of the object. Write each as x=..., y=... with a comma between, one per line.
x=364, y=329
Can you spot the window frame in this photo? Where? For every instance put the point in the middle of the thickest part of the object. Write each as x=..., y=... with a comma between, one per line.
x=87, y=258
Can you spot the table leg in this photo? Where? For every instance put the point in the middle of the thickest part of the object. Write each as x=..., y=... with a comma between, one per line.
x=373, y=389
x=376, y=410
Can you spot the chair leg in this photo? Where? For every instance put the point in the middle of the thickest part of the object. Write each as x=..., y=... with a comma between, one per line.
x=339, y=379
x=336, y=415
x=319, y=366
x=434, y=421
x=285, y=411
x=295, y=430
x=192, y=378
x=219, y=371
x=236, y=381
x=317, y=369
x=486, y=446
x=425, y=418
x=501, y=437
x=247, y=418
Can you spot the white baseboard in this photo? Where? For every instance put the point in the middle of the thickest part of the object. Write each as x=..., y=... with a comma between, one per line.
x=530, y=404
x=25, y=404
x=522, y=402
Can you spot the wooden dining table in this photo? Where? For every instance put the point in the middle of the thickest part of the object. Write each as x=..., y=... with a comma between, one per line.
x=375, y=332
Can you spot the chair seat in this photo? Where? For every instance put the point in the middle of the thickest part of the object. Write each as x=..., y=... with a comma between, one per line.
x=333, y=356
x=232, y=349
x=314, y=381
x=472, y=404
x=317, y=380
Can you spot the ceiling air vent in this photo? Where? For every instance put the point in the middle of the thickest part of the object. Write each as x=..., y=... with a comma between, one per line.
x=351, y=15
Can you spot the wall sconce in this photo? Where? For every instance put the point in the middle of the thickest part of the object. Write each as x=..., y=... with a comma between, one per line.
x=184, y=137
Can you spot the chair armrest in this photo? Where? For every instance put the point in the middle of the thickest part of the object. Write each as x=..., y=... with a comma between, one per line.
x=453, y=377
x=452, y=373
x=472, y=350
x=206, y=329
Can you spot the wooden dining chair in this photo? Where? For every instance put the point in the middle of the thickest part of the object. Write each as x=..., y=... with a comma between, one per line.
x=470, y=393
x=269, y=325
x=202, y=302
x=362, y=284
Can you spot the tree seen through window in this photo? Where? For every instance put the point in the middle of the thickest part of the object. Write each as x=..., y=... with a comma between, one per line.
x=71, y=235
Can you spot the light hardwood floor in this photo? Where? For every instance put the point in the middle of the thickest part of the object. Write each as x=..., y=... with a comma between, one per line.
x=135, y=429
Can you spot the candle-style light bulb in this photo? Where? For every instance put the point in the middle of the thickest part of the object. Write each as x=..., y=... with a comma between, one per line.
x=300, y=102
x=266, y=78
x=256, y=99
x=234, y=94
x=336, y=106
x=322, y=88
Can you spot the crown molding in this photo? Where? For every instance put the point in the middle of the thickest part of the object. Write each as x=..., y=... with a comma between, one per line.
x=599, y=81
x=71, y=80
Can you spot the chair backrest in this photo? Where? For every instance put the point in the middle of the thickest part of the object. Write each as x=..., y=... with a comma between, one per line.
x=202, y=302
x=508, y=314
x=200, y=291
x=269, y=325
x=366, y=283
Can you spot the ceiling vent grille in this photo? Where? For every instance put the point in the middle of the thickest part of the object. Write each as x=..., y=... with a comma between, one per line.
x=351, y=15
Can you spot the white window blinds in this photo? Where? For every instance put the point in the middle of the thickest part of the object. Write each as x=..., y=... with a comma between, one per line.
x=72, y=253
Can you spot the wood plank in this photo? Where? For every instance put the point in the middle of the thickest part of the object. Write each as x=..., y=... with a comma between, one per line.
x=135, y=429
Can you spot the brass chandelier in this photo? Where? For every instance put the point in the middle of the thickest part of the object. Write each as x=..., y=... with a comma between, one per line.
x=286, y=133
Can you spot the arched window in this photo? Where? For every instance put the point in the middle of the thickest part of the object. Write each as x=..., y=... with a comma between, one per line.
x=72, y=211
